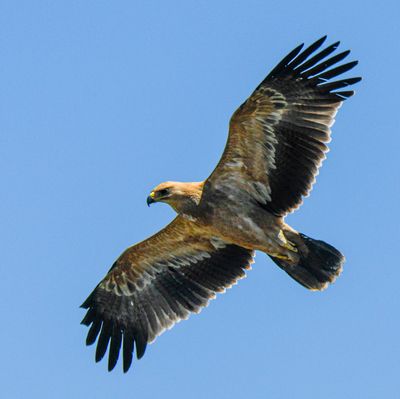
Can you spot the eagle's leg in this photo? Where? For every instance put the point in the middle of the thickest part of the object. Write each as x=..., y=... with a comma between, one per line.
x=281, y=247
x=278, y=246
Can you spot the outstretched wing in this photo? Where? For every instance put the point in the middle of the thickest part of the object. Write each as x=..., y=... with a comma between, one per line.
x=157, y=283
x=277, y=138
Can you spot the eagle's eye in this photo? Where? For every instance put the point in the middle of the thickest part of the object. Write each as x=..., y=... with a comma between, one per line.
x=163, y=192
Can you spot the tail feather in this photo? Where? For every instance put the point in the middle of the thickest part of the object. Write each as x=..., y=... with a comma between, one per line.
x=319, y=263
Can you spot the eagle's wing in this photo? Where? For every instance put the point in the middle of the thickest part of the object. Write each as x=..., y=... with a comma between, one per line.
x=277, y=138
x=157, y=283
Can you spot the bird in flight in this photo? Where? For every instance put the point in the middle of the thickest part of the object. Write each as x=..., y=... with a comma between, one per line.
x=277, y=140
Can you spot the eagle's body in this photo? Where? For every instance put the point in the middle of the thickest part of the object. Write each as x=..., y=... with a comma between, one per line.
x=277, y=141
x=251, y=227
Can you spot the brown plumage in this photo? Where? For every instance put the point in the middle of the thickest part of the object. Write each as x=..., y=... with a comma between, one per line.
x=277, y=141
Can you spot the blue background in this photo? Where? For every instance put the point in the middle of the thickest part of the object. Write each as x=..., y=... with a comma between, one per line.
x=99, y=102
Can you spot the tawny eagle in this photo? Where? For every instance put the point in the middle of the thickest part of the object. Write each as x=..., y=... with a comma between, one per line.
x=277, y=140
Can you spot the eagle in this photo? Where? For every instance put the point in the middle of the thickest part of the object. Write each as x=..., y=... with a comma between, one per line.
x=277, y=141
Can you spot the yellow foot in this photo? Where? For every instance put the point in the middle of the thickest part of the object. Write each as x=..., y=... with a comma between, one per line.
x=285, y=243
x=279, y=256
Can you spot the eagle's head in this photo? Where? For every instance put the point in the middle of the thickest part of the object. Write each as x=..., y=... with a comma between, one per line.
x=182, y=197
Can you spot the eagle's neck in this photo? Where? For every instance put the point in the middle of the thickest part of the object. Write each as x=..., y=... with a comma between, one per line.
x=187, y=202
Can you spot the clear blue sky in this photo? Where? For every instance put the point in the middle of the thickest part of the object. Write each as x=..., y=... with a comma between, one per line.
x=99, y=102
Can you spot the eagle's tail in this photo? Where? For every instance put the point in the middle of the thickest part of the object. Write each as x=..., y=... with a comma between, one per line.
x=319, y=263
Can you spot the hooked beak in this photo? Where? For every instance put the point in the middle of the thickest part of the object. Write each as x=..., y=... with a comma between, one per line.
x=150, y=199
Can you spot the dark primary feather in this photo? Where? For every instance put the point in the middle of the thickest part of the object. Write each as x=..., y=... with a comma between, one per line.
x=169, y=296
